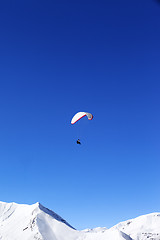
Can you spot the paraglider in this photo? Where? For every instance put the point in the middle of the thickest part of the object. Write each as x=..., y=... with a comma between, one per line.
x=78, y=141
x=78, y=116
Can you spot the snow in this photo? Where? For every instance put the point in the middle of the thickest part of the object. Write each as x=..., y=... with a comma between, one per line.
x=143, y=227
x=35, y=222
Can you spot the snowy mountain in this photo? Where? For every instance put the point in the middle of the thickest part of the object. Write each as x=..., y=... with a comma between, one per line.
x=35, y=222
x=143, y=227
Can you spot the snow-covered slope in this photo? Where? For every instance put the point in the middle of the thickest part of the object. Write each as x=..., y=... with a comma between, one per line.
x=28, y=222
x=143, y=227
x=35, y=222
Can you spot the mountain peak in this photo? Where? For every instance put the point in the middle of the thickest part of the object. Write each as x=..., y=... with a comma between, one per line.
x=28, y=222
x=53, y=214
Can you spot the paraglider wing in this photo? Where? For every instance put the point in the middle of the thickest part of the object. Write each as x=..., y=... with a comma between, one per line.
x=80, y=115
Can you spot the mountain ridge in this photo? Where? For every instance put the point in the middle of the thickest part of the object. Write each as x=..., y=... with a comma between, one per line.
x=36, y=222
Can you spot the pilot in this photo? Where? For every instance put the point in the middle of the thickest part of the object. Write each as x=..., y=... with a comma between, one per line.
x=78, y=141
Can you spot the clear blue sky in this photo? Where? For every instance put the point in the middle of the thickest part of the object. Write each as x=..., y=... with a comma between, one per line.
x=60, y=57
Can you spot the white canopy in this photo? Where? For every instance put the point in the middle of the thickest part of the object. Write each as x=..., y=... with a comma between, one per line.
x=80, y=115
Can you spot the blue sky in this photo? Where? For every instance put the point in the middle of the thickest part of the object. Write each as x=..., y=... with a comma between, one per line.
x=58, y=58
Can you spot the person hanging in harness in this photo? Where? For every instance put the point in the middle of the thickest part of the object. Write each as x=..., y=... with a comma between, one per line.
x=78, y=141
